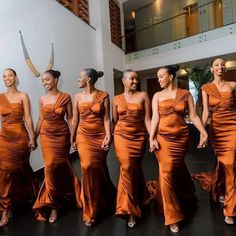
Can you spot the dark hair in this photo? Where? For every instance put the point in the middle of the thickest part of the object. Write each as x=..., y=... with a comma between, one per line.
x=212, y=61
x=127, y=71
x=170, y=69
x=93, y=74
x=14, y=72
x=54, y=73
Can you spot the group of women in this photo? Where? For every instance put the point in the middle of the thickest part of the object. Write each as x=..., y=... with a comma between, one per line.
x=89, y=130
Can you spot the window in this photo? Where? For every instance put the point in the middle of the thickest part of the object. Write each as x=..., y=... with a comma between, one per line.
x=115, y=23
x=78, y=7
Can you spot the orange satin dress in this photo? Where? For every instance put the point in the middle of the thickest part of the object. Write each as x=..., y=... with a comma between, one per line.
x=60, y=182
x=17, y=185
x=130, y=142
x=223, y=140
x=97, y=193
x=176, y=186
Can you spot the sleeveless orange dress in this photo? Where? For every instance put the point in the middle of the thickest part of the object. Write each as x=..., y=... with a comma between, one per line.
x=97, y=193
x=60, y=182
x=17, y=185
x=176, y=186
x=223, y=140
x=130, y=142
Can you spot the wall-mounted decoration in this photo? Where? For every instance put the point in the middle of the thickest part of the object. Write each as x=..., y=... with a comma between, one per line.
x=30, y=63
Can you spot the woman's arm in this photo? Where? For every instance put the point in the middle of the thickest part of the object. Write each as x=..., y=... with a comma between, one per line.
x=28, y=120
x=69, y=114
x=107, y=124
x=154, y=124
x=197, y=123
x=114, y=115
x=40, y=120
x=74, y=122
x=147, y=108
x=205, y=112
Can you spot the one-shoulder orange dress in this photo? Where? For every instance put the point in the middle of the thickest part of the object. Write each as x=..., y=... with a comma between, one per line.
x=60, y=182
x=176, y=186
x=130, y=142
x=98, y=193
x=223, y=140
x=17, y=185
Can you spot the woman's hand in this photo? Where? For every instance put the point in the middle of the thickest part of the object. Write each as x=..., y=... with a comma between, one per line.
x=32, y=145
x=106, y=143
x=203, y=140
x=153, y=145
x=73, y=144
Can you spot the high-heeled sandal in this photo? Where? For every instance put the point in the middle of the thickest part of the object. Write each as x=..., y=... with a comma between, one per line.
x=229, y=220
x=88, y=223
x=131, y=221
x=174, y=228
x=221, y=199
x=5, y=218
x=53, y=216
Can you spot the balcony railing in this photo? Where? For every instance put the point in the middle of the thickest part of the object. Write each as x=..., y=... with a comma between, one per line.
x=192, y=20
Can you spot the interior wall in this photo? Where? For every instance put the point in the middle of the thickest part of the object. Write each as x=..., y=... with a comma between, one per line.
x=42, y=23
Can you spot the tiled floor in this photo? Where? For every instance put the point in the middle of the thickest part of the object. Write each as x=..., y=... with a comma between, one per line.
x=208, y=220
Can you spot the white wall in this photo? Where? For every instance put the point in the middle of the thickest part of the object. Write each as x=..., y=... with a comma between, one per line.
x=76, y=44
x=41, y=23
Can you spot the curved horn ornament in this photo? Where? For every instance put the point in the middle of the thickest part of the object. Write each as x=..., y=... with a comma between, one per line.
x=51, y=62
x=30, y=63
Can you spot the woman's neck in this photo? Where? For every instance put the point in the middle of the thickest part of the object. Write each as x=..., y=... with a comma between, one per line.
x=12, y=89
x=90, y=89
x=53, y=92
x=218, y=79
x=170, y=88
x=129, y=92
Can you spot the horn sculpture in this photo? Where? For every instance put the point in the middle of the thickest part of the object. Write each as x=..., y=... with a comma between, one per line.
x=28, y=60
x=51, y=62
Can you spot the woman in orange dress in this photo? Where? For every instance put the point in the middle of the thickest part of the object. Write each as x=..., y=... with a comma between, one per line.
x=219, y=98
x=131, y=117
x=60, y=181
x=17, y=185
x=91, y=119
x=169, y=138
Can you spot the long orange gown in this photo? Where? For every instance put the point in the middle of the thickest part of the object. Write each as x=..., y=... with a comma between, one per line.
x=176, y=186
x=130, y=142
x=17, y=185
x=60, y=182
x=223, y=140
x=97, y=193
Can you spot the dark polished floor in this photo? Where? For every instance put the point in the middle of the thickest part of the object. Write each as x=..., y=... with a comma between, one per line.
x=208, y=220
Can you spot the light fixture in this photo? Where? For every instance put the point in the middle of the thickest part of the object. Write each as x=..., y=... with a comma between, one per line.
x=181, y=72
x=230, y=65
x=133, y=14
